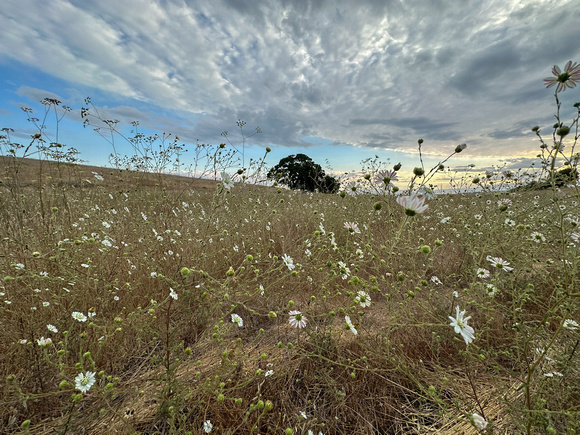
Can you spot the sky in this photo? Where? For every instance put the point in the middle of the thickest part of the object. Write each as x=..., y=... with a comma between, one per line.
x=341, y=81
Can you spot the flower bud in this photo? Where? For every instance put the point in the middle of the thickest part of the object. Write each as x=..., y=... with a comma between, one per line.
x=460, y=148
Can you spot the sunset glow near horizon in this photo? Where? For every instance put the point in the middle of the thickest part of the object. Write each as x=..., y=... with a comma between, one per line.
x=339, y=81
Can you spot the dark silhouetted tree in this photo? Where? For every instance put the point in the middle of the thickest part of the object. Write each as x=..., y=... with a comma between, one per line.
x=300, y=172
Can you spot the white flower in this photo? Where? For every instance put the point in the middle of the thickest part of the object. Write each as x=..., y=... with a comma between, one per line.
x=173, y=294
x=106, y=224
x=269, y=373
x=460, y=325
x=297, y=320
x=570, y=324
x=537, y=237
x=153, y=274
x=237, y=320
x=499, y=263
x=84, y=381
x=482, y=273
x=435, y=280
x=413, y=204
x=349, y=325
x=288, y=262
x=44, y=342
x=478, y=421
x=491, y=290
x=207, y=426
x=79, y=316
x=52, y=328
x=107, y=243
x=227, y=181
x=363, y=299
x=352, y=227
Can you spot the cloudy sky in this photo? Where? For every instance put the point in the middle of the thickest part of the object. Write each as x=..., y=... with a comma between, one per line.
x=338, y=80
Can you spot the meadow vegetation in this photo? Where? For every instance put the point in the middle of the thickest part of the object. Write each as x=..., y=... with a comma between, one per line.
x=134, y=301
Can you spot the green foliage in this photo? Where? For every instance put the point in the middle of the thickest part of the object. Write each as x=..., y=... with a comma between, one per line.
x=300, y=172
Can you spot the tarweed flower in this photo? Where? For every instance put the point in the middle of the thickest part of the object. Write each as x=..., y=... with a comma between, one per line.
x=173, y=294
x=570, y=324
x=227, y=181
x=349, y=325
x=44, y=342
x=505, y=202
x=288, y=262
x=363, y=299
x=435, y=280
x=297, y=320
x=352, y=227
x=499, y=263
x=482, y=273
x=537, y=237
x=78, y=316
x=207, y=426
x=478, y=421
x=52, y=328
x=412, y=204
x=459, y=323
x=564, y=80
x=237, y=320
x=84, y=381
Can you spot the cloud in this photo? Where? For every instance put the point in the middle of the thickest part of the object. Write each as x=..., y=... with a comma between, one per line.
x=371, y=74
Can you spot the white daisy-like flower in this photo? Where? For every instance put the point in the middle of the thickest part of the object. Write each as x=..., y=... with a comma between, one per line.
x=413, y=204
x=499, y=263
x=173, y=294
x=227, y=181
x=296, y=319
x=482, y=273
x=237, y=320
x=52, y=328
x=435, y=280
x=349, y=325
x=44, y=342
x=570, y=324
x=84, y=381
x=459, y=323
x=207, y=426
x=78, y=316
x=363, y=299
x=288, y=262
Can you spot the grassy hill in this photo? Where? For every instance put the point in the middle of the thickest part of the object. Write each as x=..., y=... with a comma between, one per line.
x=151, y=303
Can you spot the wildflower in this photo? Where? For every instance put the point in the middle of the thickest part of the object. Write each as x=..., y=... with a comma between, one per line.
x=227, y=181
x=269, y=373
x=352, y=227
x=386, y=177
x=153, y=274
x=363, y=299
x=460, y=325
x=52, y=328
x=349, y=325
x=106, y=224
x=45, y=304
x=107, y=243
x=482, y=273
x=288, y=262
x=435, y=280
x=18, y=266
x=79, y=316
x=237, y=320
x=499, y=263
x=84, y=381
x=510, y=222
x=505, y=202
x=537, y=237
x=297, y=320
x=445, y=219
x=344, y=271
x=566, y=79
x=478, y=421
x=207, y=426
x=173, y=294
x=412, y=204
x=491, y=290
x=460, y=148
x=575, y=237
x=570, y=324
x=44, y=342
x=98, y=177
x=552, y=374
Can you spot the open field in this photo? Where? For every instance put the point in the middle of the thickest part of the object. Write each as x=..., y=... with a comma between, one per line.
x=137, y=303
